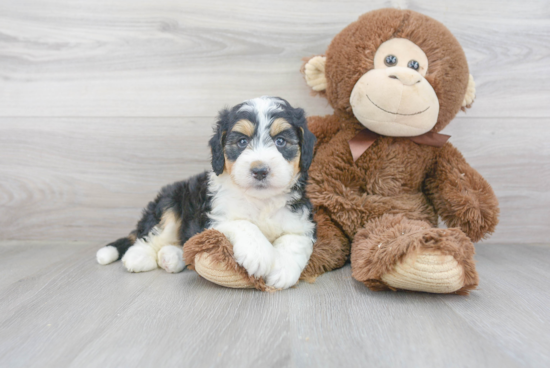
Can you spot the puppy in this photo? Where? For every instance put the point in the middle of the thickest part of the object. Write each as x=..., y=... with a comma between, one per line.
x=254, y=195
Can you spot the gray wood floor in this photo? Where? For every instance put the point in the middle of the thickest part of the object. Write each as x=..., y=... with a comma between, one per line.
x=61, y=309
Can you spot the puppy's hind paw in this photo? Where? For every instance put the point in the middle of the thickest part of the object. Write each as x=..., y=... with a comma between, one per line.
x=170, y=258
x=139, y=259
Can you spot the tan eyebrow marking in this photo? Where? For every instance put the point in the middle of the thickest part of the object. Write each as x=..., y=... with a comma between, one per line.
x=278, y=126
x=228, y=165
x=245, y=127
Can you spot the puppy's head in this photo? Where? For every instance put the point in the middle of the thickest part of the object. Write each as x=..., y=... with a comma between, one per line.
x=263, y=144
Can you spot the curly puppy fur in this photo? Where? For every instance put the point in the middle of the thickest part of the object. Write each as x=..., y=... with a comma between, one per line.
x=254, y=196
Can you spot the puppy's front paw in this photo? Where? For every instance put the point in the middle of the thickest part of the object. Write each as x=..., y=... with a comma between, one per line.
x=283, y=275
x=139, y=259
x=256, y=259
x=170, y=258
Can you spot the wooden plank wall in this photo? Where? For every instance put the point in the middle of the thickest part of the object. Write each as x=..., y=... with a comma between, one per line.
x=102, y=102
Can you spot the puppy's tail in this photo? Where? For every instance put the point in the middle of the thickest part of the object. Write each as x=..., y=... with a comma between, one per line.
x=115, y=250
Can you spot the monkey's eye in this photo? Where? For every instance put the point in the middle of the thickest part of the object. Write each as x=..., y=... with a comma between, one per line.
x=390, y=60
x=242, y=143
x=413, y=64
x=280, y=142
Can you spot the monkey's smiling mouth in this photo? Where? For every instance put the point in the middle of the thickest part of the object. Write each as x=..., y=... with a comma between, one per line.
x=396, y=113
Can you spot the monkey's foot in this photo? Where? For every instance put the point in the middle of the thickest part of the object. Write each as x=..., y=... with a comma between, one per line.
x=400, y=254
x=220, y=273
x=429, y=271
x=210, y=254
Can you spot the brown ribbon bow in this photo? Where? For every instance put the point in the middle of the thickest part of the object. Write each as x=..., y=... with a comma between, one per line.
x=365, y=138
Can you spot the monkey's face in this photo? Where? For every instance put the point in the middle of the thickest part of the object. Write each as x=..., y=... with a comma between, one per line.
x=376, y=69
x=394, y=98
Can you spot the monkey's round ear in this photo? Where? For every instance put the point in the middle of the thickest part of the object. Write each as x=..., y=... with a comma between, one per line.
x=470, y=93
x=314, y=71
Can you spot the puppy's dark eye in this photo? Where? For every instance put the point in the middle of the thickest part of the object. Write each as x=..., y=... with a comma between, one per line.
x=280, y=142
x=390, y=60
x=413, y=64
x=242, y=143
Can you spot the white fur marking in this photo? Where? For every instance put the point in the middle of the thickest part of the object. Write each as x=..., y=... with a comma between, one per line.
x=140, y=257
x=293, y=252
x=170, y=258
x=250, y=247
x=106, y=255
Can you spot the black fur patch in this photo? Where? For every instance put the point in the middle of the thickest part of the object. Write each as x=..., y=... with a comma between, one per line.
x=190, y=202
x=297, y=118
x=188, y=199
x=232, y=150
x=302, y=202
x=292, y=147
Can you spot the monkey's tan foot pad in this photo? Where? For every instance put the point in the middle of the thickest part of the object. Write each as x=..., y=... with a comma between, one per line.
x=428, y=271
x=210, y=254
x=220, y=273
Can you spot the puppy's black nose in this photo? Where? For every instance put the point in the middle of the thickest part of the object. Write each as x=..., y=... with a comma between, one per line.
x=259, y=172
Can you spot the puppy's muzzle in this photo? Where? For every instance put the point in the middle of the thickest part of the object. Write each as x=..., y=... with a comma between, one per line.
x=259, y=171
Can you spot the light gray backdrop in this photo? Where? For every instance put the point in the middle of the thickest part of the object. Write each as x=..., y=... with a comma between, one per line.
x=103, y=102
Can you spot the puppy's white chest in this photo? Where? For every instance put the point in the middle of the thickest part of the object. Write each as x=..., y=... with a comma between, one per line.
x=271, y=218
x=271, y=215
x=273, y=225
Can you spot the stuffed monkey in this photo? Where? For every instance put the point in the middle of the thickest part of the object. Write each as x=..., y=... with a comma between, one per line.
x=382, y=173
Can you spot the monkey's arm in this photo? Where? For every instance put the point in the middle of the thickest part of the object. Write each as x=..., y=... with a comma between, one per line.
x=352, y=209
x=461, y=196
x=323, y=127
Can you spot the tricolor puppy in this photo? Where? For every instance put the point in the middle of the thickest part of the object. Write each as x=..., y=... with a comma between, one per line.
x=254, y=195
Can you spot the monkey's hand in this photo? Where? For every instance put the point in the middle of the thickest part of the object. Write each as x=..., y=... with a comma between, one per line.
x=323, y=127
x=349, y=208
x=461, y=196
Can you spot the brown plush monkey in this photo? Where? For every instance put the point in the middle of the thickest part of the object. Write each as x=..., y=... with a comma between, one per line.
x=382, y=174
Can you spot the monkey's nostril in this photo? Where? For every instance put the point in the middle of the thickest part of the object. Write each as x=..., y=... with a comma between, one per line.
x=393, y=76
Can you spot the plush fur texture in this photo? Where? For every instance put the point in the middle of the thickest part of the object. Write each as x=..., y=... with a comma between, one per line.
x=351, y=54
x=385, y=241
x=255, y=197
x=393, y=194
x=216, y=245
x=331, y=250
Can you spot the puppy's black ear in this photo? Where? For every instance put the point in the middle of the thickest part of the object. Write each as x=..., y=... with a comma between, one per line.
x=217, y=142
x=307, y=140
